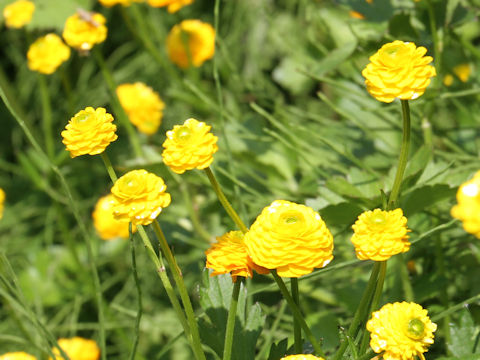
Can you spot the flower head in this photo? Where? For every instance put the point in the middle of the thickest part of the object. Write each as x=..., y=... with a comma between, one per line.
x=467, y=209
x=189, y=146
x=398, y=70
x=229, y=255
x=90, y=131
x=379, y=234
x=110, y=3
x=47, y=53
x=18, y=355
x=291, y=238
x=18, y=13
x=401, y=331
x=77, y=348
x=301, y=357
x=462, y=71
x=107, y=226
x=2, y=201
x=139, y=197
x=173, y=5
x=83, y=30
x=142, y=105
x=191, y=42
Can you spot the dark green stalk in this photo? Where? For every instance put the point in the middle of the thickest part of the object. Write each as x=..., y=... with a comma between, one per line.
x=232, y=313
x=436, y=41
x=109, y=167
x=297, y=330
x=139, y=294
x=46, y=116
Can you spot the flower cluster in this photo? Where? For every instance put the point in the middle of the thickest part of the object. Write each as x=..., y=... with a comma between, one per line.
x=90, y=131
x=172, y=5
x=229, y=255
x=2, y=201
x=84, y=29
x=302, y=357
x=18, y=355
x=468, y=205
x=77, y=348
x=107, y=226
x=401, y=331
x=47, y=53
x=191, y=42
x=142, y=105
x=398, y=70
x=189, y=146
x=139, y=197
x=18, y=13
x=291, y=238
x=380, y=234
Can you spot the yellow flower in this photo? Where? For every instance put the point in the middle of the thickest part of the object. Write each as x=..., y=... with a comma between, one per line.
x=189, y=146
x=107, y=226
x=229, y=255
x=191, y=42
x=379, y=234
x=139, y=197
x=468, y=208
x=2, y=202
x=356, y=15
x=19, y=355
x=47, y=53
x=83, y=30
x=90, y=131
x=398, y=70
x=291, y=238
x=18, y=13
x=173, y=5
x=401, y=331
x=448, y=80
x=110, y=3
x=462, y=71
x=142, y=105
x=77, y=348
x=301, y=357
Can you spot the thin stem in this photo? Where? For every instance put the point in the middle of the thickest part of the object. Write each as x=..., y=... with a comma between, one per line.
x=139, y=294
x=117, y=107
x=46, y=116
x=109, y=167
x=402, y=161
x=226, y=204
x=361, y=309
x=297, y=330
x=297, y=314
x=436, y=41
x=178, y=277
x=403, y=270
x=232, y=312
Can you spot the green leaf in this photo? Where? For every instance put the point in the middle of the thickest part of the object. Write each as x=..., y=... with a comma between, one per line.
x=463, y=336
x=278, y=351
x=425, y=196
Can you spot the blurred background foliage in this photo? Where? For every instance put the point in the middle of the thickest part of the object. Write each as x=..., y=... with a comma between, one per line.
x=294, y=122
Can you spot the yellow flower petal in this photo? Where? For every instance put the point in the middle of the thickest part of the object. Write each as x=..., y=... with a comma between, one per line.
x=18, y=13
x=107, y=227
x=47, y=53
x=84, y=29
x=173, y=5
x=77, y=348
x=19, y=355
x=467, y=209
x=301, y=357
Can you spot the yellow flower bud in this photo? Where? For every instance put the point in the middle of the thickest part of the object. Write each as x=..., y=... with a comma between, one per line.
x=302, y=357
x=77, y=348
x=90, y=131
x=467, y=209
x=47, y=53
x=2, y=202
x=380, y=234
x=291, y=238
x=110, y=3
x=191, y=42
x=463, y=72
x=229, y=255
x=139, y=197
x=83, y=30
x=401, y=331
x=173, y=5
x=398, y=70
x=189, y=146
x=109, y=228
x=18, y=13
x=143, y=106
x=19, y=355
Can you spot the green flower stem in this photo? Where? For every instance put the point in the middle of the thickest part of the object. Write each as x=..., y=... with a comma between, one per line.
x=226, y=204
x=232, y=313
x=76, y=214
x=297, y=330
x=403, y=270
x=297, y=314
x=117, y=107
x=109, y=167
x=46, y=116
x=436, y=40
x=362, y=309
x=402, y=161
x=440, y=262
x=139, y=294
x=178, y=277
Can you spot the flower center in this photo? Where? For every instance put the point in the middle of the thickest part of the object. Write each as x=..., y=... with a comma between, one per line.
x=183, y=133
x=82, y=118
x=416, y=329
x=291, y=217
x=378, y=219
